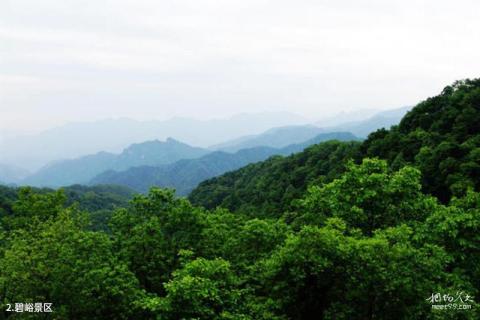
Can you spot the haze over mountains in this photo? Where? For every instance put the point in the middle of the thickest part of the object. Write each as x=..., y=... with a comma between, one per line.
x=66, y=147
x=237, y=160
x=185, y=175
x=362, y=128
x=112, y=135
x=12, y=174
x=275, y=137
x=81, y=170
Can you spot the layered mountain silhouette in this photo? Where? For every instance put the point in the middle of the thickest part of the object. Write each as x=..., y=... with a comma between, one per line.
x=113, y=135
x=440, y=136
x=363, y=128
x=86, y=168
x=184, y=175
x=276, y=138
x=280, y=137
x=81, y=170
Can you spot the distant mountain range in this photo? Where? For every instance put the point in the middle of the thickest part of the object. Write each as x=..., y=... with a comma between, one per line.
x=83, y=169
x=363, y=128
x=185, y=175
x=275, y=138
x=150, y=153
x=283, y=136
x=346, y=117
x=78, y=139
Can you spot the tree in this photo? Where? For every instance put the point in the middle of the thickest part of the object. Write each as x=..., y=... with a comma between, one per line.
x=324, y=273
x=457, y=229
x=150, y=234
x=201, y=289
x=368, y=197
x=57, y=261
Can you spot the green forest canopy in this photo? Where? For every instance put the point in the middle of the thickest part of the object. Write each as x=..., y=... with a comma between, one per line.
x=440, y=137
x=358, y=237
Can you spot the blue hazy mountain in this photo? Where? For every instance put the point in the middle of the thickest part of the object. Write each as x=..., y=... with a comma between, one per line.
x=276, y=138
x=81, y=170
x=280, y=137
x=363, y=128
x=185, y=175
x=74, y=140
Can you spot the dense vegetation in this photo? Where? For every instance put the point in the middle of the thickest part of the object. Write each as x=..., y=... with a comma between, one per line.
x=268, y=188
x=99, y=201
x=440, y=136
x=369, y=245
x=364, y=238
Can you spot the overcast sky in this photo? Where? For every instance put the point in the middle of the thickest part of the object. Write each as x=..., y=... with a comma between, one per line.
x=67, y=60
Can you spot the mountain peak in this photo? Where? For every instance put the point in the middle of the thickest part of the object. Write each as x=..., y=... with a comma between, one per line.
x=172, y=141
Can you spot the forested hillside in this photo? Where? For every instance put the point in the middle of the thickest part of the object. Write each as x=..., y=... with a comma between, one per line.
x=99, y=201
x=369, y=245
x=333, y=232
x=440, y=136
x=268, y=188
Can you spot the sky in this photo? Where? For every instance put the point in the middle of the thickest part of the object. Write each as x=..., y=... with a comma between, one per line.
x=77, y=60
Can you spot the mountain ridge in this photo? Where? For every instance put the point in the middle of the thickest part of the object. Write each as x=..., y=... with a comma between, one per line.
x=383, y=119
x=34, y=151
x=184, y=175
x=81, y=170
x=277, y=137
x=440, y=136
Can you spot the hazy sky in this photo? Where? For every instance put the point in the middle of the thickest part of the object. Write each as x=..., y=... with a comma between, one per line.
x=65, y=60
